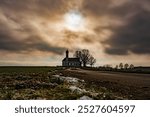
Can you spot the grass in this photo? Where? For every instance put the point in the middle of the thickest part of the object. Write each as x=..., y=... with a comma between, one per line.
x=25, y=83
x=23, y=69
x=32, y=83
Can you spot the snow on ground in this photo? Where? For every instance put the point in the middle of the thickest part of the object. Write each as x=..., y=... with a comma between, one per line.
x=85, y=98
x=73, y=82
x=70, y=80
x=77, y=90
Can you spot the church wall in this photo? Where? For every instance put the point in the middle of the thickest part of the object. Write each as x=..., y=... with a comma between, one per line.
x=71, y=64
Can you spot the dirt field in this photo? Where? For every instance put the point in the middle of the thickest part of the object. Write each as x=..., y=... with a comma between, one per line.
x=48, y=83
x=52, y=83
x=130, y=85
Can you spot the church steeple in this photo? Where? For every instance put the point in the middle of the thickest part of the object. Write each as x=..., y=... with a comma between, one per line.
x=67, y=54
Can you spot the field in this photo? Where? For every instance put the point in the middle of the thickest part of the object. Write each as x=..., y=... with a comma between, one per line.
x=47, y=83
x=127, y=85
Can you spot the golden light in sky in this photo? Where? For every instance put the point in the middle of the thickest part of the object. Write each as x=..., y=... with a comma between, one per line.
x=74, y=21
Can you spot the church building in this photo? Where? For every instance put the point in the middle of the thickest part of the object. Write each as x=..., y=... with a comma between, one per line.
x=70, y=62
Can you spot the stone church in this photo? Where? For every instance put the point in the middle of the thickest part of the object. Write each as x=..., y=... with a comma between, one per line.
x=70, y=62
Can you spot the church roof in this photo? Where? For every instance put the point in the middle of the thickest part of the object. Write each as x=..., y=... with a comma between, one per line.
x=72, y=59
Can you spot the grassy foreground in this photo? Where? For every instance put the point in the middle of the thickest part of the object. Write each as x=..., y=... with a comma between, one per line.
x=25, y=83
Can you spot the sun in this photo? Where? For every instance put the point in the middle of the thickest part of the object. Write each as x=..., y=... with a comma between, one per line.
x=73, y=20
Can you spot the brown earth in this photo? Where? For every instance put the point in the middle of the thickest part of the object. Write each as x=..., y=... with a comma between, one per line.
x=130, y=85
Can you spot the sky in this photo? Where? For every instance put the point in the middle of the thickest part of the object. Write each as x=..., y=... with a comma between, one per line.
x=38, y=32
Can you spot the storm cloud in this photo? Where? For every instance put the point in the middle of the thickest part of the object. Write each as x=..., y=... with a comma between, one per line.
x=37, y=7
x=115, y=27
x=129, y=24
x=131, y=38
x=17, y=34
x=33, y=43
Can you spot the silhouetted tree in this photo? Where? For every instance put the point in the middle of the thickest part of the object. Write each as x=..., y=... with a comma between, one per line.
x=121, y=65
x=131, y=66
x=92, y=61
x=116, y=67
x=77, y=54
x=108, y=67
x=84, y=56
x=126, y=66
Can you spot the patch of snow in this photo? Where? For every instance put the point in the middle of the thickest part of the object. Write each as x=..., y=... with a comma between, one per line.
x=68, y=79
x=77, y=89
x=57, y=76
x=71, y=80
x=85, y=98
x=94, y=94
x=82, y=80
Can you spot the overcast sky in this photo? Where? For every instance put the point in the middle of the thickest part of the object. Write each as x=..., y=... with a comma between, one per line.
x=38, y=32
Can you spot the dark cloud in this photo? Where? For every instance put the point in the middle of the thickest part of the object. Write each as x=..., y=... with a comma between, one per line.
x=26, y=25
x=30, y=7
x=96, y=7
x=17, y=34
x=133, y=37
x=12, y=38
x=33, y=44
x=101, y=8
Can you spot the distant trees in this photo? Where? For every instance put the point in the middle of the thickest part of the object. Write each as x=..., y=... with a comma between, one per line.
x=116, y=67
x=131, y=66
x=85, y=57
x=107, y=66
x=121, y=65
x=124, y=66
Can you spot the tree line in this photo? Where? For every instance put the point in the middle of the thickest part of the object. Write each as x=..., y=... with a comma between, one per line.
x=124, y=66
x=87, y=58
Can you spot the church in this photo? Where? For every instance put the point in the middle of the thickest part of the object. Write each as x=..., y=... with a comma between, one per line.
x=70, y=62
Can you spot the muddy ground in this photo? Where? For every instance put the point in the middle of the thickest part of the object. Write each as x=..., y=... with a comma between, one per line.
x=56, y=83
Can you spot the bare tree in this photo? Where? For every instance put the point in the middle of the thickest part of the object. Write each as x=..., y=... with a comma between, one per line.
x=92, y=61
x=131, y=66
x=116, y=67
x=121, y=65
x=77, y=54
x=126, y=66
x=84, y=56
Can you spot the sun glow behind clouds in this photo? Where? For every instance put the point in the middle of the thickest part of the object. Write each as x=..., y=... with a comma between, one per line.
x=74, y=21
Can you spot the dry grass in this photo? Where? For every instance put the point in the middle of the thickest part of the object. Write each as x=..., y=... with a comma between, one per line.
x=27, y=83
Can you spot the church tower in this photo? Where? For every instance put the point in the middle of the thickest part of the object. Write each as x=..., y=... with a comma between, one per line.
x=67, y=54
